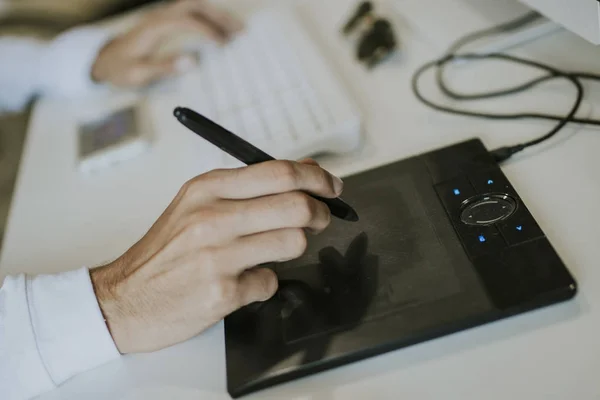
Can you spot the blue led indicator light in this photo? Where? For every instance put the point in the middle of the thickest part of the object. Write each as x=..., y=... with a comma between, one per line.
x=481, y=238
x=520, y=228
x=490, y=182
x=456, y=192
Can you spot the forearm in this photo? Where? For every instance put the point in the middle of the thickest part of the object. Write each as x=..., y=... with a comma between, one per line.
x=51, y=329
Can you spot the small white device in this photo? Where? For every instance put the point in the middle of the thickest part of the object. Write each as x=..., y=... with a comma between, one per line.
x=110, y=139
x=579, y=16
x=273, y=87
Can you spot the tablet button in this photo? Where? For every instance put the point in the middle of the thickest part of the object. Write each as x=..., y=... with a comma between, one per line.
x=481, y=240
x=491, y=181
x=487, y=209
x=453, y=193
x=520, y=228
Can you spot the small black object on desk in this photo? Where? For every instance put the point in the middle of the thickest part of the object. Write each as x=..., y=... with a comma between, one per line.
x=362, y=11
x=247, y=153
x=377, y=40
x=377, y=43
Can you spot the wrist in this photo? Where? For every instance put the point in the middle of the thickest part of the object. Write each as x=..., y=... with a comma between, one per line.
x=106, y=284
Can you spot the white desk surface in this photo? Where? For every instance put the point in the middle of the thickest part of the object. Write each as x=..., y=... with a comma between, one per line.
x=61, y=220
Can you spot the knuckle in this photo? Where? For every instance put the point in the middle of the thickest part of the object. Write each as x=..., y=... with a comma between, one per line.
x=206, y=223
x=186, y=188
x=197, y=230
x=206, y=183
x=206, y=178
x=285, y=172
x=325, y=180
x=215, y=177
x=191, y=186
x=187, y=21
x=210, y=262
x=261, y=286
x=296, y=242
x=225, y=291
x=326, y=215
x=304, y=206
x=179, y=4
x=266, y=285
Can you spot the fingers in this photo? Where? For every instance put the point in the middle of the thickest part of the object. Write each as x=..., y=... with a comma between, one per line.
x=270, y=178
x=287, y=210
x=162, y=27
x=256, y=285
x=149, y=71
x=261, y=248
x=219, y=24
x=233, y=219
x=218, y=16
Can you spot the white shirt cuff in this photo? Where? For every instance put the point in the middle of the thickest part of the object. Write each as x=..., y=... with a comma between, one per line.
x=52, y=329
x=67, y=62
x=70, y=330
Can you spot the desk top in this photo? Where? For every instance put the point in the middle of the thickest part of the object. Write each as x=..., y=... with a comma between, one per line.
x=61, y=219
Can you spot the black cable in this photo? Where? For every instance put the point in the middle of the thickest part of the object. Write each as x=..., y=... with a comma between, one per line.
x=552, y=73
x=506, y=152
x=587, y=75
x=473, y=37
x=555, y=74
x=498, y=29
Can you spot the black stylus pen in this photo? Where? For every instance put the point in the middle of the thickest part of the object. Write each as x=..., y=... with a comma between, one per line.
x=247, y=153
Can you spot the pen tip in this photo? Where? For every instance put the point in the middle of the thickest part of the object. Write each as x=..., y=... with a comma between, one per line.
x=352, y=216
x=178, y=112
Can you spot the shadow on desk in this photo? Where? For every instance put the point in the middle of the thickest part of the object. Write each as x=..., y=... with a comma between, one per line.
x=13, y=129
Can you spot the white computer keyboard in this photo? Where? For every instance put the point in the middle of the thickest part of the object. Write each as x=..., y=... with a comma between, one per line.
x=273, y=86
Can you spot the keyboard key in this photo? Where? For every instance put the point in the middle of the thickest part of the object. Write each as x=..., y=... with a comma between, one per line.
x=273, y=63
x=218, y=82
x=228, y=161
x=253, y=72
x=193, y=94
x=202, y=103
x=316, y=107
x=229, y=122
x=279, y=129
x=298, y=114
x=236, y=67
x=260, y=84
x=237, y=127
x=288, y=60
x=253, y=125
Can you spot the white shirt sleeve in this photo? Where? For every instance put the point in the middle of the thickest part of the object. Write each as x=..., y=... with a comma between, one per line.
x=51, y=329
x=59, y=68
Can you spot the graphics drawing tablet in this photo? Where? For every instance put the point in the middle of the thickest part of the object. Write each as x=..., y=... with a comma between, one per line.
x=444, y=243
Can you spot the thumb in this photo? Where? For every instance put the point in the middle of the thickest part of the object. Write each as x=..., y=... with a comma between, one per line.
x=309, y=161
x=256, y=285
x=148, y=71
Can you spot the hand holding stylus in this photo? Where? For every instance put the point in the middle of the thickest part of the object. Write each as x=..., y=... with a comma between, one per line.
x=197, y=263
x=248, y=153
